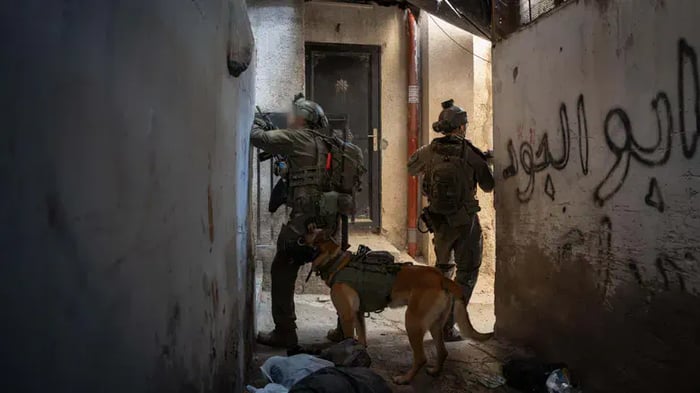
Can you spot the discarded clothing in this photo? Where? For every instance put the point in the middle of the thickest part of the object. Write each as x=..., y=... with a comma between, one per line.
x=286, y=371
x=347, y=353
x=342, y=380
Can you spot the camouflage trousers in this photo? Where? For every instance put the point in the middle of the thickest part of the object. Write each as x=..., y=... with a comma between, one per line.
x=465, y=243
x=284, y=271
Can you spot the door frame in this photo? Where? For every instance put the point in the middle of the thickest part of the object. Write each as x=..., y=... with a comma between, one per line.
x=375, y=146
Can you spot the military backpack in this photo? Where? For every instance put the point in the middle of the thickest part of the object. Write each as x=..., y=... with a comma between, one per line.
x=343, y=171
x=445, y=182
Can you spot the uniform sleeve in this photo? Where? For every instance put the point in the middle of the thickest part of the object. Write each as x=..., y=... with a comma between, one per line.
x=482, y=171
x=416, y=163
x=273, y=141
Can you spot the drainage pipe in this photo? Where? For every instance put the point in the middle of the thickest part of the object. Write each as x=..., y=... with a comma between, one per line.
x=412, y=130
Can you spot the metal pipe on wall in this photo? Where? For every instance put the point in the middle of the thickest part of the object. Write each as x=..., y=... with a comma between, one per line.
x=413, y=53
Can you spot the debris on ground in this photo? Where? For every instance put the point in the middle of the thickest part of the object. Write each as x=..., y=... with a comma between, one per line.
x=342, y=380
x=347, y=353
x=283, y=372
x=468, y=367
x=307, y=373
x=560, y=382
x=531, y=375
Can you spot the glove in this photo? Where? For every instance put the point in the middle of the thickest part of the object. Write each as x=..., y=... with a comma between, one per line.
x=260, y=123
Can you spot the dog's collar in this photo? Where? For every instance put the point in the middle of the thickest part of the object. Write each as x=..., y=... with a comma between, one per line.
x=328, y=270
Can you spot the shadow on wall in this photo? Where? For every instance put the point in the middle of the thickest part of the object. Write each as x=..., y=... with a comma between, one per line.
x=124, y=170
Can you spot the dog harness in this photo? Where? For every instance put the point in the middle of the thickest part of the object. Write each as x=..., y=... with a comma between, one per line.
x=370, y=273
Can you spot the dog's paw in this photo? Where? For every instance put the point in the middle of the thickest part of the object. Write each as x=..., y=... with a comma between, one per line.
x=401, y=380
x=433, y=371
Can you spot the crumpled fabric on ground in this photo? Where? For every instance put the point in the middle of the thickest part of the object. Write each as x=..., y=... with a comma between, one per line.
x=283, y=372
x=342, y=380
x=347, y=353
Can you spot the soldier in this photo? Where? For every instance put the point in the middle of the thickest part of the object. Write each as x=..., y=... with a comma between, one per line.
x=451, y=168
x=306, y=157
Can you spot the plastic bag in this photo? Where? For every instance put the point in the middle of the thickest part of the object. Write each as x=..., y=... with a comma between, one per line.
x=284, y=371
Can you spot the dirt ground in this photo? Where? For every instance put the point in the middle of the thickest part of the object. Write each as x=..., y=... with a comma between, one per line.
x=469, y=363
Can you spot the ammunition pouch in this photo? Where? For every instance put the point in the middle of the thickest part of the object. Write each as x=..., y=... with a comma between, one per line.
x=332, y=203
x=309, y=176
x=328, y=204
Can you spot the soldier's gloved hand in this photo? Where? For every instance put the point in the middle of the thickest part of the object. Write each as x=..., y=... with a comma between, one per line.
x=260, y=123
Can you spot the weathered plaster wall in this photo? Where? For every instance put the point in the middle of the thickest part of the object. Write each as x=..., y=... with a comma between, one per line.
x=383, y=26
x=278, y=26
x=598, y=236
x=123, y=165
x=450, y=71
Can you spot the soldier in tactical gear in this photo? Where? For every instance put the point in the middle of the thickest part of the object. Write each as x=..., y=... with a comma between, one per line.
x=306, y=156
x=451, y=168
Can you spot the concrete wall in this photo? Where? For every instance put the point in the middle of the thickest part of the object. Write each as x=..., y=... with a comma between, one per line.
x=382, y=26
x=124, y=170
x=598, y=241
x=449, y=70
x=278, y=27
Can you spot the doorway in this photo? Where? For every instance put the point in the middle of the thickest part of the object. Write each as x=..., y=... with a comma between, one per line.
x=345, y=80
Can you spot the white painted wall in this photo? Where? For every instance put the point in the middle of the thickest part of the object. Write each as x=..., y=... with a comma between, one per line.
x=278, y=27
x=588, y=259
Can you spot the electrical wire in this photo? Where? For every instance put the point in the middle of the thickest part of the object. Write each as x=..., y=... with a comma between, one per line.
x=465, y=17
x=455, y=41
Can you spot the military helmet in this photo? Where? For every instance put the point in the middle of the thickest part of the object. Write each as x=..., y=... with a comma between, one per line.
x=451, y=117
x=309, y=111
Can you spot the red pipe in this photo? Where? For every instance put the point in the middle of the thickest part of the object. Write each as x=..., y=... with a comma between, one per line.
x=413, y=119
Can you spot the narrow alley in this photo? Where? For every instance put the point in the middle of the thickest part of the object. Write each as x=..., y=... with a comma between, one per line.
x=349, y=196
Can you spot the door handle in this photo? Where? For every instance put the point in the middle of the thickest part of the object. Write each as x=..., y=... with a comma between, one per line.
x=375, y=139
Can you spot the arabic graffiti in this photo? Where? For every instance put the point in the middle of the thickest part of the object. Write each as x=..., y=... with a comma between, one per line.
x=627, y=148
x=620, y=140
x=533, y=163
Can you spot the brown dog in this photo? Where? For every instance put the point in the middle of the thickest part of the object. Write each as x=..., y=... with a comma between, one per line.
x=426, y=292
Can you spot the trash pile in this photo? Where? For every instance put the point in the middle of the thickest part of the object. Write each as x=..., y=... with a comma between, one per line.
x=341, y=368
x=533, y=376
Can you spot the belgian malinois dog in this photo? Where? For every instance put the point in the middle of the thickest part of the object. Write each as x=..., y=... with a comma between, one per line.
x=427, y=293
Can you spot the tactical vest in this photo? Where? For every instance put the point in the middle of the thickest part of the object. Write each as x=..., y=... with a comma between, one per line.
x=336, y=175
x=371, y=274
x=448, y=176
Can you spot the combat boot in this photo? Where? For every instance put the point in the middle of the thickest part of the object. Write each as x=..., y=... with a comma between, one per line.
x=336, y=335
x=449, y=333
x=278, y=338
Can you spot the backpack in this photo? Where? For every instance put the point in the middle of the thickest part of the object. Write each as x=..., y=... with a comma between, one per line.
x=445, y=181
x=344, y=165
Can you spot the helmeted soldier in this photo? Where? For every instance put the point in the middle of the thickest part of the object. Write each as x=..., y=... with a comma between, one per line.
x=452, y=167
x=306, y=154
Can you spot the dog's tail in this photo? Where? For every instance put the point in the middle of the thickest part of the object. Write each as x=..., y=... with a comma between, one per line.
x=461, y=314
